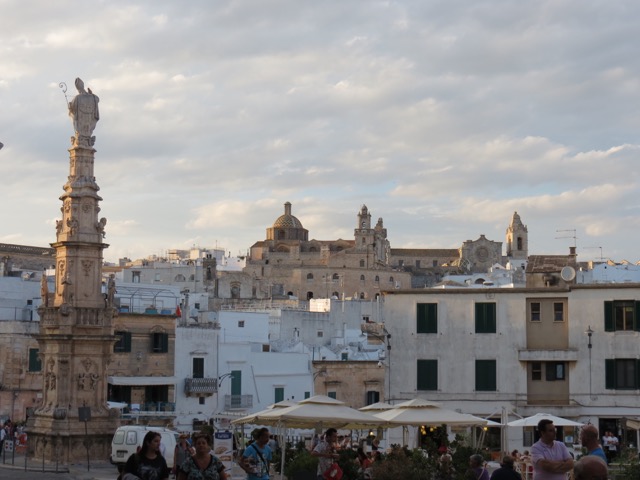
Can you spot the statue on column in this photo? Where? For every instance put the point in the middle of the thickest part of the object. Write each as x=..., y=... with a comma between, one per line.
x=84, y=113
x=111, y=290
x=44, y=289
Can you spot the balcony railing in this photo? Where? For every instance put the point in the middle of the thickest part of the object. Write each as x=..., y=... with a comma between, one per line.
x=195, y=386
x=238, y=401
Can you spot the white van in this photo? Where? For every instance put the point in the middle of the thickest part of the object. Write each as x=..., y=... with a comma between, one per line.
x=127, y=439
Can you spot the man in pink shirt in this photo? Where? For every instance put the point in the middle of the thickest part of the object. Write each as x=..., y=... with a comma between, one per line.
x=551, y=459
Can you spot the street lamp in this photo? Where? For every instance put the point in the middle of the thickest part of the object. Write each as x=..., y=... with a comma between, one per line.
x=222, y=377
x=589, y=333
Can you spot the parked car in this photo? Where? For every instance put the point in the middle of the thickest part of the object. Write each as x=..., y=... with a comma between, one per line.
x=128, y=438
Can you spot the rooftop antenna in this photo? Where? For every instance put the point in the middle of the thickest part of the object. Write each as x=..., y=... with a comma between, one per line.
x=591, y=248
x=572, y=230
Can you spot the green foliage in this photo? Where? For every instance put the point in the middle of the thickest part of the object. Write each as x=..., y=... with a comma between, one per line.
x=629, y=466
x=403, y=463
x=301, y=461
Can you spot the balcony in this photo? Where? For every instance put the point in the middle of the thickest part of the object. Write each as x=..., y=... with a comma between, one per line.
x=537, y=355
x=200, y=386
x=238, y=401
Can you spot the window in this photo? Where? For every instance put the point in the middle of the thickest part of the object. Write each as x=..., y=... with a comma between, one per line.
x=278, y=394
x=372, y=397
x=558, y=312
x=364, y=240
x=554, y=371
x=434, y=263
x=335, y=277
x=377, y=279
x=622, y=374
x=332, y=395
x=535, y=311
x=486, y=376
x=198, y=368
x=157, y=277
x=361, y=263
x=307, y=395
x=427, y=318
x=417, y=263
x=201, y=400
x=536, y=371
x=427, y=375
x=135, y=277
x=361, y=279
x=178, y=278
x=390, y=279
x=240, y=323
x=35, y=364
x=485, y=318
x=401, y=263
x=320, y=334
x=159, y=342
x=236, y=382
x=621, y=315
x=344, y=356
x=124, y=342
x=309, y=277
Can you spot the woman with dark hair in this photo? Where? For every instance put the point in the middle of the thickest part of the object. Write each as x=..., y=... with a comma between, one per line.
x=203, y=465
x=148, y=463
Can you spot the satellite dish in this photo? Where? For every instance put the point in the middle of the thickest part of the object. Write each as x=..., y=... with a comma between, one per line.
x=568, y=273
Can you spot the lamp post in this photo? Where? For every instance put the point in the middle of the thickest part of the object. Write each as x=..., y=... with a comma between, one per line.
x=589, y=333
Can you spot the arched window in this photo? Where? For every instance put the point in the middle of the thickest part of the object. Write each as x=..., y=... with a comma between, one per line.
x=377, y=279
x=361, y=263
x=309, y=295
x=335, y=277
x=519, y=243
x=235, y=290
x=390, y=279
x=313, y=249
x=309, y=277
x=335, y=294
x=361, y=278
x=180, y=278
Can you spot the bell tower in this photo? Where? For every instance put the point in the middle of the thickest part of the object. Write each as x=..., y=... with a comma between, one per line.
x=76, y=333
x=517, y=239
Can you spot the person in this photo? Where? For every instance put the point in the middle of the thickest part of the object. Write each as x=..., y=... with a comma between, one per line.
x=551, y=459
x=477, y=468
x=506, y=470
x=203, y=465
x=445, y=471
x=589, y=439
x=3, y=435
x=611, y=446
x=590, y=467
x=256, y=457
x=83, y=110
x=326, y=452
x=364, y=463
x=148, y=463
x=273, y=444
x=182, y=451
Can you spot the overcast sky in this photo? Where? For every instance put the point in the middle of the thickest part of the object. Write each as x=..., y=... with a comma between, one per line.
x=443, y=117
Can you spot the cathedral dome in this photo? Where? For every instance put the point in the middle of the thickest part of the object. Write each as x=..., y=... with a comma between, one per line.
x=287, y=227
x=287, y=220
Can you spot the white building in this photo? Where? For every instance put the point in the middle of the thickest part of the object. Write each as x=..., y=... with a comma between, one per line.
x=523, y=350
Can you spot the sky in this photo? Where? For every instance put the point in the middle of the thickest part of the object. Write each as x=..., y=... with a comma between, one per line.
x=443, y=117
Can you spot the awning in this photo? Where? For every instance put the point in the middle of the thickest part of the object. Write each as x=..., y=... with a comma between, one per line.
x=141, y=381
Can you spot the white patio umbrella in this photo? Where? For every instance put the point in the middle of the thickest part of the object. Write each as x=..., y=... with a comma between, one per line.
x=376, y=407
x=534, y=419
x=252, y=418
x=418, y=412
x=317, y=411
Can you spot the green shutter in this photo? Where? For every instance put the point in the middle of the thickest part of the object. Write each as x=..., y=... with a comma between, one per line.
x=279, y=394
x=486, y=375
x=35, y=365
x=427, y=375
x=636, y=317
x=165, y=342
x=479, y=318
x=236, y=382
x=608, y=317
x=485, y=317
x=610, y=373
x=127, y=341
x=427, y=318
x=637, y=374
x=491, y=313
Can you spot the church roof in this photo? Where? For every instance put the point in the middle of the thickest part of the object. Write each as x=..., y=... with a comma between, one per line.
x=287, y=220
x=426, y=252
